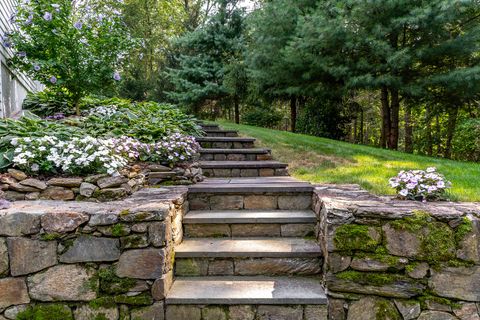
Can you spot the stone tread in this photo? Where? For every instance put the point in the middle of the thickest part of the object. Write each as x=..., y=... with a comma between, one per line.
x=225, y=139
x=246, y=290
x=251, y=188
x=216, y=130
x=235, y=151
x=249, y=216
x=241, y=164
x=250, y=247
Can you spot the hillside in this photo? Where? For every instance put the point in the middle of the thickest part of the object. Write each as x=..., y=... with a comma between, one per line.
x=321, y=160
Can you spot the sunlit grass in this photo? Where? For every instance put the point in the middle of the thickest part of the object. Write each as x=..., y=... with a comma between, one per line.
x=321, y=160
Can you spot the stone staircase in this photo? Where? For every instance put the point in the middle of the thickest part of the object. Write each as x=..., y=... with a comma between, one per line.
x=249, y=250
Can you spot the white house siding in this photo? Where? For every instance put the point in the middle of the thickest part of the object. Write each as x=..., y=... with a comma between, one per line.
x=14, y=86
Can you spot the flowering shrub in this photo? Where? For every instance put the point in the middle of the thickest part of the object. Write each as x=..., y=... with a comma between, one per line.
x=75, y=156
x=174, y=148
x=103, y=112
x=420, y=185
x=75, y=46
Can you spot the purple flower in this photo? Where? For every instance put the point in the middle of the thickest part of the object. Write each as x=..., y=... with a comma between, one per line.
x=56, y=6
x=22, y=54
x=78, y=25
x=47, y=16
x=29, y=20
x=116, y=76
x=36, y=67
x=53, y=79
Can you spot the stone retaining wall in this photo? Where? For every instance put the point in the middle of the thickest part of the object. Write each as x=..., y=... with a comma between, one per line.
x=390, y=259
x=90, y=261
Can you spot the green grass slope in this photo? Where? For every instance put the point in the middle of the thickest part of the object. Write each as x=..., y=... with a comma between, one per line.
x=321, y=160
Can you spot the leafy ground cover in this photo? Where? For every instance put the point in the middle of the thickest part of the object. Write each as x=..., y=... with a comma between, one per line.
x=321, y=160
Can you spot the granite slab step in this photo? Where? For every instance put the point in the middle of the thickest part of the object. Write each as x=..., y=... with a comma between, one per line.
x=246, y=290
x=249, y=216
x=226, y=142
x=242, y=164
x=214, y=132
x=251, y=187
x=255, y=247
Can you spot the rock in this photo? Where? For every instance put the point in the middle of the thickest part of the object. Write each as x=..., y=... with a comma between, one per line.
x=32, y=196
x=92, y=249
x=298, y=230
x=435, y=305
x=3, y=257
x=62, y=222
x=191, y=267
x=87, y=189
x=469, y=246
x=65, y=182
x=57, y=193
x=436, y=315
x=162, y=286
x=260, y=202
x=278, y=266
x=372, y=264
x=214, y=313
x=226, y=202
x=29, y=256
x=243, y=312
x=271, y=312
x=336, y=309
x=95, y=178
x=409, y=309
x=111, y=194
x=17, y=174
x=141, y=264
x=134, y=241
x=316, y=313
x=19, y=224
x=63, y=283
x=22, y=188
x=338, y=263
x=13, y=291
x=12, y=312
x=459, y=283
x=14, y=196
x=159, y=233
x=400, y=287
x=35, y=183
x=161, y=175
x=371, y=308
x=140, y=228
x=153, y=312
x=419, y=271
x=183, y=312
x=111, y=182
x=103, y=219
x=158, y=168
x=468, y=311
x=402, y=242
x=86, y=312
x=220, y=268
x=294, y=202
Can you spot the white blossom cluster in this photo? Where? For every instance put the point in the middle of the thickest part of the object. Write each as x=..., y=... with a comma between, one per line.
x=176, y=148
x=73, y=156
x=103, y=112
x=420, y=184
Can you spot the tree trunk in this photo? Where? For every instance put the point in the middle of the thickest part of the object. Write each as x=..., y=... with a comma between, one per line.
x=355, y=132
x=361, y=126
x=385, y=117
x=394, y=120
x=408, y=129
x=438, y=137
x=293, y=113
x=76, y=104
x=428, y=126
x=452, y=124
x=237, y=109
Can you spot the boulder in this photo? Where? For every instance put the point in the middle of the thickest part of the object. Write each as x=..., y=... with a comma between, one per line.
x=467, y=311
x=111, y=194
x=436, y=315
x=87, y=189
x=22, y=188
x=13, y=291
x=458, y=283
x=410, y=309
x=19, y=224
x=162, y=285
x=401, y=242
x=92, y=249
x=141, y=264
x=372, y=308
x=103, y=219
x=63, y=283
x=12, y=312
x=29, y=256
x=62, y=222
x=65, y=182
x=57, y=193
x=17, y=174
x=111, y=182
x=35, y=183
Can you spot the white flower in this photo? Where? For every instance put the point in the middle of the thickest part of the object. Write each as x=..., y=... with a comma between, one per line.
x=403, y=192
x=431, y=169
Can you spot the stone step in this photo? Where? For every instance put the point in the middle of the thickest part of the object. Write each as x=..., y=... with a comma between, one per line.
x=249, y=223
x=221, y=133
x=210, y=126
x=246, y=290
x=248, y=248
x=226, y=142
x=235, y=154
x=243, y=168
x=198, y=267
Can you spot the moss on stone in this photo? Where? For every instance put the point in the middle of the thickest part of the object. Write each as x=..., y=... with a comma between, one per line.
x=429, y=296
x=438, y=244
x=369, y=278
x=385, y=310
x=118, y=230
x=124, y=212
x=463, y=229
x=134, y=241
x=350, y=237
x=414, y=223
x=103, y=302
x=380, y=254
x=50, y=236
x=46, y=312
x=143, y=299
x=100, y=316
x=411, y=266
x=112, y=284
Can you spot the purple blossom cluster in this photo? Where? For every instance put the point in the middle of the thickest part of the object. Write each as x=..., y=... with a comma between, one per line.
x=57, y=116
x=420, y=184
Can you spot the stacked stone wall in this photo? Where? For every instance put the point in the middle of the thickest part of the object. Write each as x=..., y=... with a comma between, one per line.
x=78, y=260
x=390, y=259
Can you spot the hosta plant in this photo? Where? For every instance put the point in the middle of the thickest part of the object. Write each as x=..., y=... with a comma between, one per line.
x=420, y=184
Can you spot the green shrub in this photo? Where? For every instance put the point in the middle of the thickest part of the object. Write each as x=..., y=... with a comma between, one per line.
x=466, y=145
x=262, y=117
x=48, y=103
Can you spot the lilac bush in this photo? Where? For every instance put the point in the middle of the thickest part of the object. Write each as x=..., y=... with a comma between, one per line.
x=420, y=184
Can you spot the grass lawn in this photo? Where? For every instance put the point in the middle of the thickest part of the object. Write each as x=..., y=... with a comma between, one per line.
x=321, y=160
